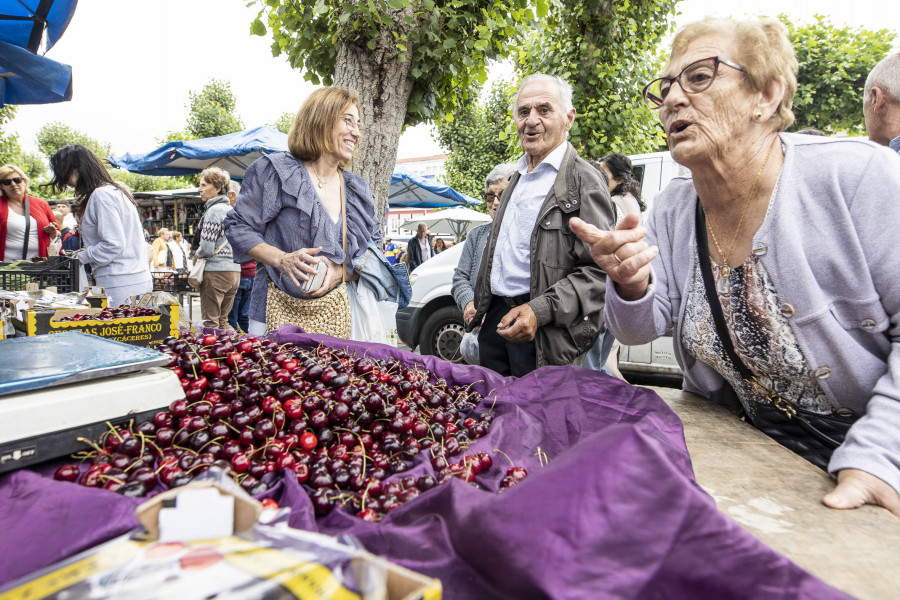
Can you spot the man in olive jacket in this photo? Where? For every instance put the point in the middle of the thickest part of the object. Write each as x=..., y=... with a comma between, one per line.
x=538, y=290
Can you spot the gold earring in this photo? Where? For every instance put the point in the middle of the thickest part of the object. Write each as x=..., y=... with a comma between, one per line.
x=757, y=116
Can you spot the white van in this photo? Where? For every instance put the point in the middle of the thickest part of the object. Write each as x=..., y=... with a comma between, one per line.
x=433, y=322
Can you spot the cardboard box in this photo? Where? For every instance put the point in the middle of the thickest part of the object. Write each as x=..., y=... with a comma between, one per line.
x=138, y=331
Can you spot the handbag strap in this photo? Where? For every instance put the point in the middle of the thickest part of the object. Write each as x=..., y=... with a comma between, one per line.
x=344, y=213
x=715, y=307
x=27, y=228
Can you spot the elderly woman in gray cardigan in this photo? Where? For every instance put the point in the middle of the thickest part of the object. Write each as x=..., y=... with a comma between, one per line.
x=464, y=277
x=790, y=237
x=222, y=275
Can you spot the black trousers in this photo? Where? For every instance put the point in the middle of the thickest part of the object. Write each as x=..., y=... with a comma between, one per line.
x=499, y=354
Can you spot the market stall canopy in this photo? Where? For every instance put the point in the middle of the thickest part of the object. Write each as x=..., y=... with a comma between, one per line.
x=235, y=152
x=27, y=77
x=413, y=192
x=453, y=221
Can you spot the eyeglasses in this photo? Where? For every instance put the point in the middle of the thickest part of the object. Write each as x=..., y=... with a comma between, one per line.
x=693, y=79
x=352, y=123
x=11, y=180
x=491, y=196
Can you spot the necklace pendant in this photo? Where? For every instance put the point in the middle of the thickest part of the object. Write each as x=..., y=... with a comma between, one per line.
x=321, y=185
x=722, y=285
x=724, y=272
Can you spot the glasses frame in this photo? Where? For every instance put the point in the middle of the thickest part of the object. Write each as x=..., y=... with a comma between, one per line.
x=351, y=123
x=655, y=102
x=491, y=196
x=12, y=180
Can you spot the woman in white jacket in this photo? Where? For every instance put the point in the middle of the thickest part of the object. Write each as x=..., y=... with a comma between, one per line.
x=114, y=245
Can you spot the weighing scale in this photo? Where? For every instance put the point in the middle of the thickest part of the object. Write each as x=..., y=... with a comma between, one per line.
x=57, y=388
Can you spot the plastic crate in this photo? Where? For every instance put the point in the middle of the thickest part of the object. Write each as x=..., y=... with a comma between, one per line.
x=168, y=281
x=60, y=272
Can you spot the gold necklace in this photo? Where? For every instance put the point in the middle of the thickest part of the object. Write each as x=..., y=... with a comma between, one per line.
x=725, y=270
x=321, y=183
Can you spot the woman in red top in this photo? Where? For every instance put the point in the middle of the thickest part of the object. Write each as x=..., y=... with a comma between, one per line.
x=13, y=224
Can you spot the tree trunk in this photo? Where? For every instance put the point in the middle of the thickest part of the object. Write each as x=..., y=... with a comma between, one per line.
x=384, y=91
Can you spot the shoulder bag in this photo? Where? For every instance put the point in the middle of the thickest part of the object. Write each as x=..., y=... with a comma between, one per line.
x=814, y=436
x=329, y=314
x=195, y=277
x=27, y=228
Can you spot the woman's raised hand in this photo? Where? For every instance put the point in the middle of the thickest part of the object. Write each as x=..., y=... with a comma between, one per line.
x=622, y=253
x=300, y=264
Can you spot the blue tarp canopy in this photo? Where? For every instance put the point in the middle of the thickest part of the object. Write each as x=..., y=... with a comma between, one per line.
x=27, y=77
x=235, y=152
x=25, y=23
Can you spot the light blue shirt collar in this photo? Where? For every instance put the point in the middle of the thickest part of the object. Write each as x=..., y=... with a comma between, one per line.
x=554, y=159
x=895, y=144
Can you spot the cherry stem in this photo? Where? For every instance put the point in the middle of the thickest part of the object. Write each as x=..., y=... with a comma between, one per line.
x=511, y=463
x=92, y=445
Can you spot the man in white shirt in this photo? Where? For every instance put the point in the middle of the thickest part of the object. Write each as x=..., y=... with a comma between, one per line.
x=539, y=291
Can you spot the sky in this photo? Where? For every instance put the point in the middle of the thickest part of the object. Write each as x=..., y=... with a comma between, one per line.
x=134, y=63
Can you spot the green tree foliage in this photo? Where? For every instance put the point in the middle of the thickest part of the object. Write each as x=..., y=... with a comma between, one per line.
x=411, y=60
x=446, y=42
x=53, y=136
x=834, y=63
x=476, y=138
x=11, y=152
x=212, y=111
x=283, y=124
x=608, y=51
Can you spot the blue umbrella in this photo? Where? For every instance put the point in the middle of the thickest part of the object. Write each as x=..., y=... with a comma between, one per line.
x=26, y=77
x=25, y=23
x=235, y=152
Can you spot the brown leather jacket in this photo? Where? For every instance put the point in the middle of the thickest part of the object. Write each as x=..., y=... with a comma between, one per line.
x=567, y=288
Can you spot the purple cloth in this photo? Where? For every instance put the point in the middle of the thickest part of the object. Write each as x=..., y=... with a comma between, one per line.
x=616, y=512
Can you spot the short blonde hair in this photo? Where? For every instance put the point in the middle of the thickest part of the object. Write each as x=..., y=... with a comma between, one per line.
x=310, y=134
x=176, y=235
x=219, y=178
x=8, y=170
x=764, y=51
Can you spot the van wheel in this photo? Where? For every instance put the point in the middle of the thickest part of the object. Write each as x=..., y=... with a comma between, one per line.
x=443, y=333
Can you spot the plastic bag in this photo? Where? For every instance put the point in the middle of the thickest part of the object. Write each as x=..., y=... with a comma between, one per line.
x=368, y=322
x=468, y=347
x=270, y=561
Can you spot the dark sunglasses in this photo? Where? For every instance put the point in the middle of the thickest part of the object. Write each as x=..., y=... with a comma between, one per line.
x=11, y=180
x=491, y=196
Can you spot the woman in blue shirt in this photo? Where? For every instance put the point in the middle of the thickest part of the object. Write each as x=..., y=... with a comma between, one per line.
x=288, y=215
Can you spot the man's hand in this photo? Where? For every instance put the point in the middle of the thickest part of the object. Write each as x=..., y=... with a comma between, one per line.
x=469, y=312
x=622, y=253
x=51, y=231
x=855, y=488
x=518, y=325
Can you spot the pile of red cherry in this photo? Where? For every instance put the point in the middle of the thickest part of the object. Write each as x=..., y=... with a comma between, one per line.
x=110, y=314
x=340, y=424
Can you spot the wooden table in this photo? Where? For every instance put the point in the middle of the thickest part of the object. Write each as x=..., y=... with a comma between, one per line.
x=777, y=496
